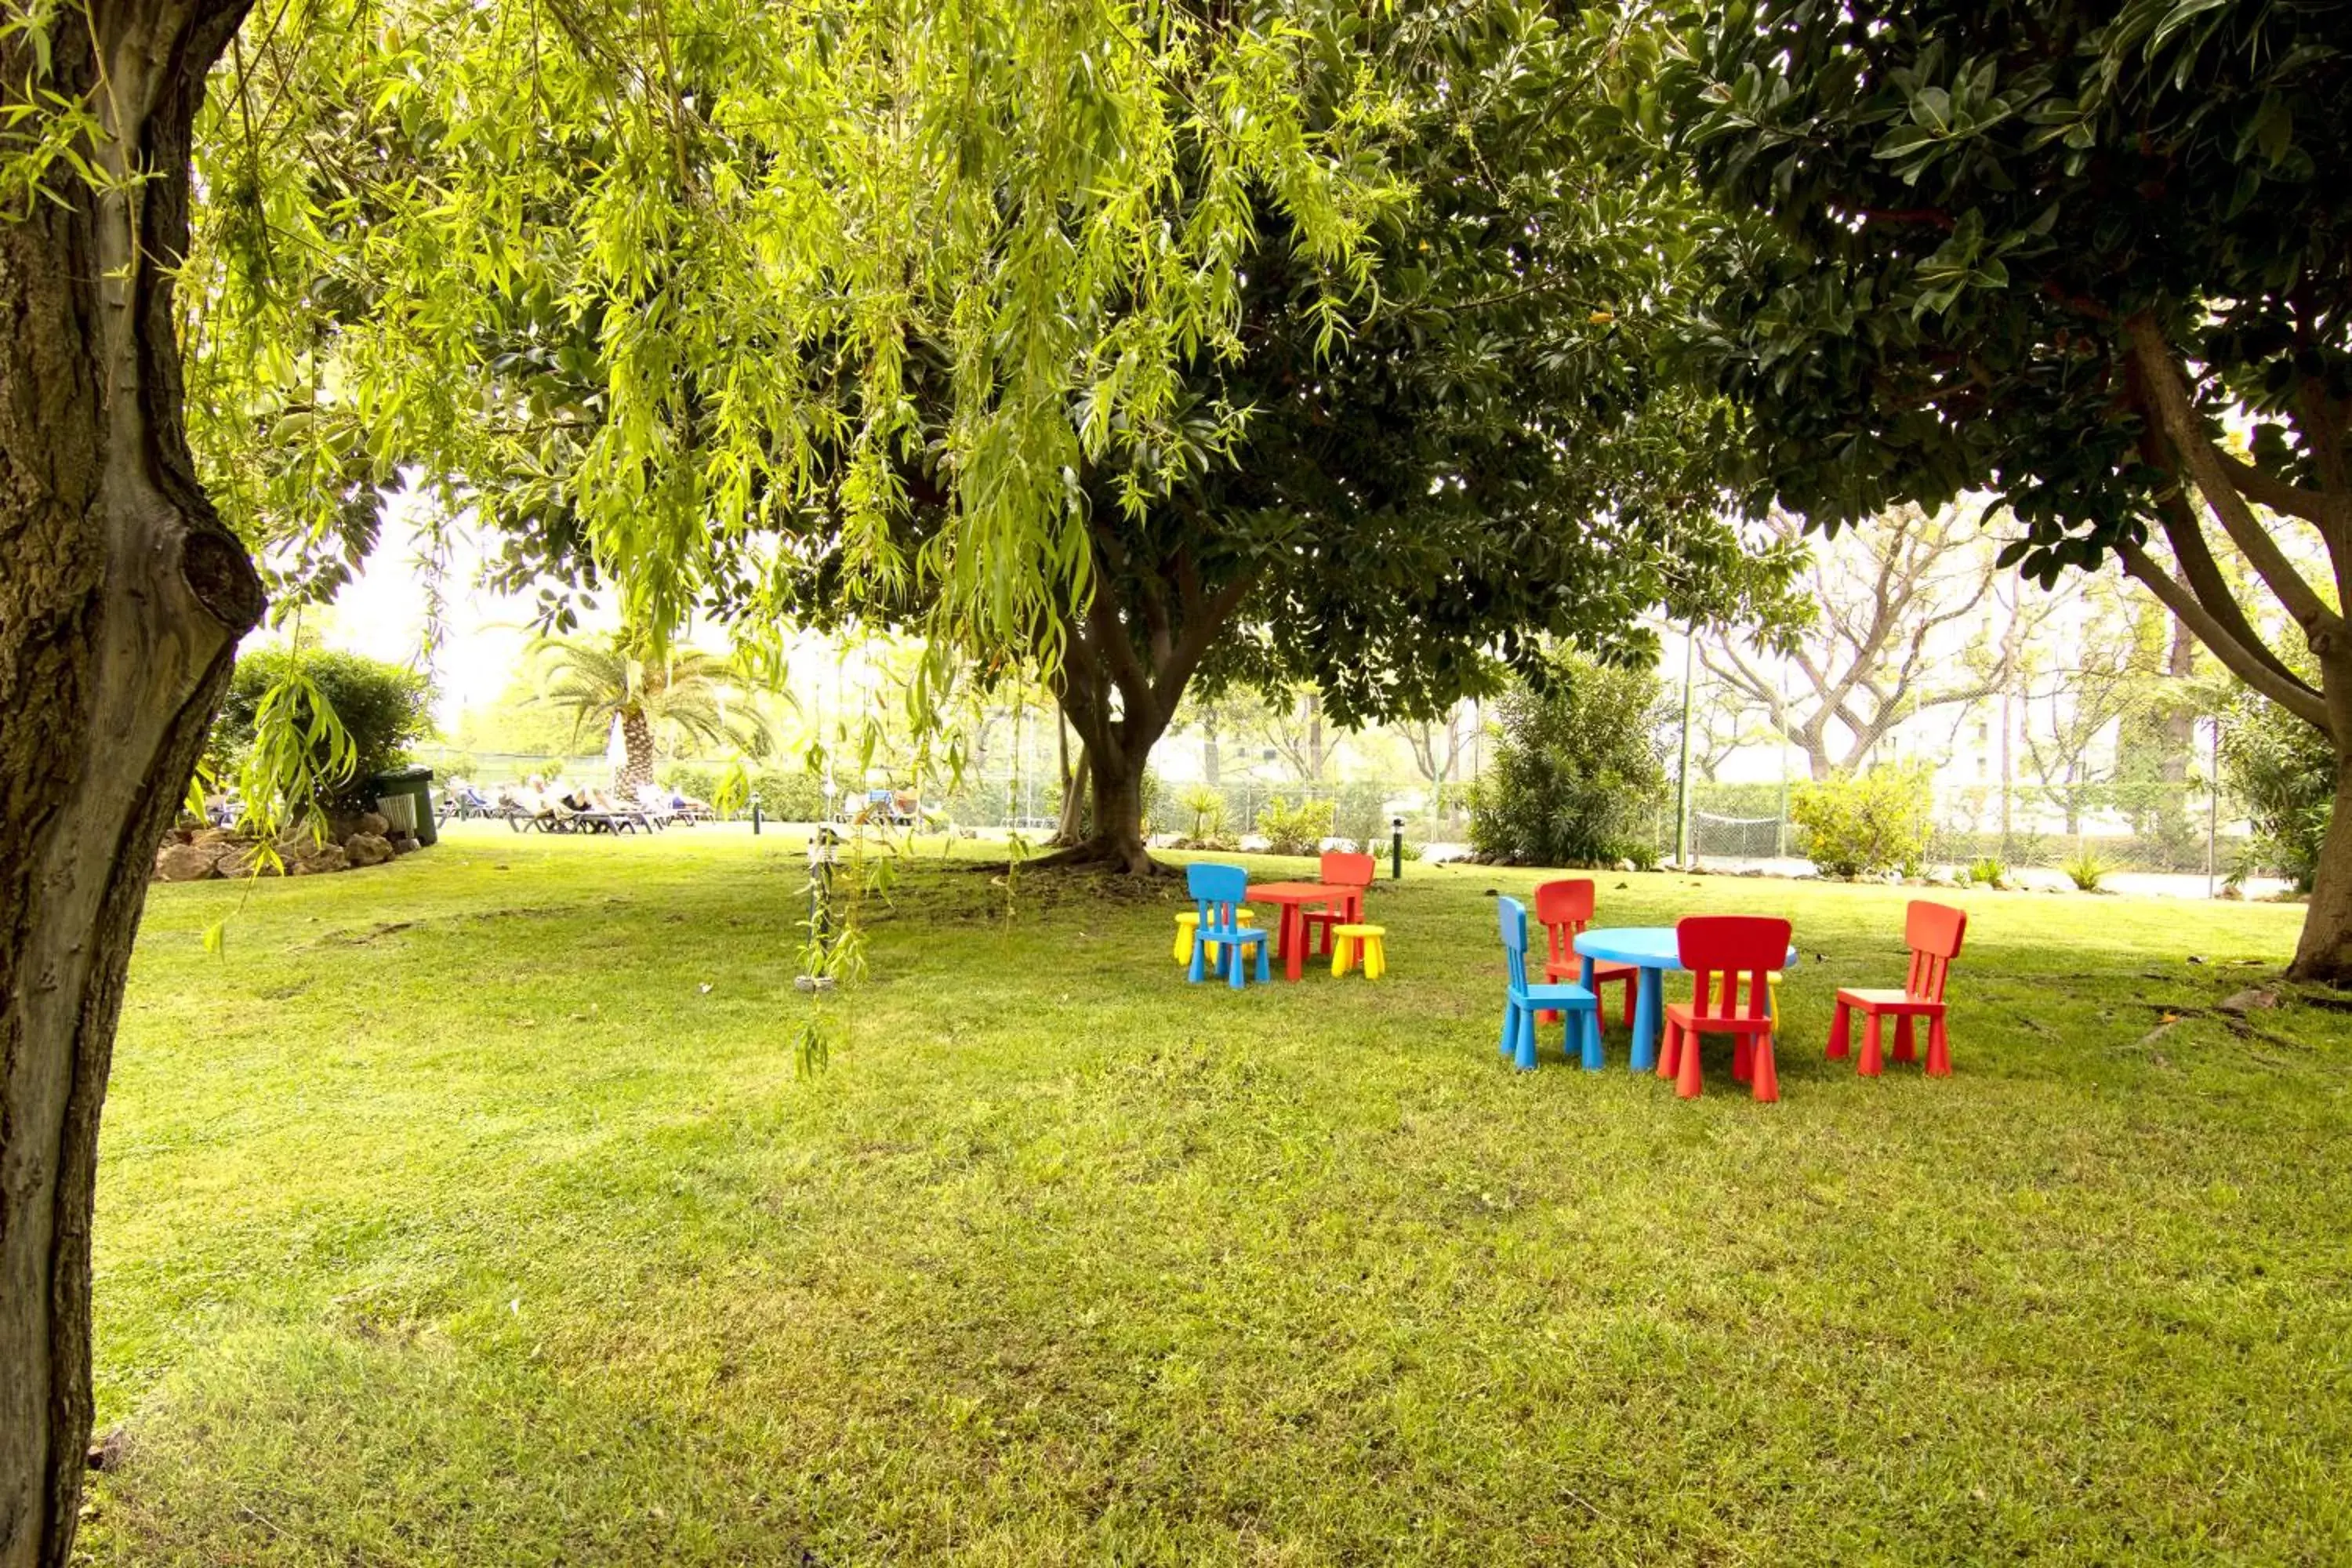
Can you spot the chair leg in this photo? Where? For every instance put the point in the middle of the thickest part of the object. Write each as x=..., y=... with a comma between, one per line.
x=1525, y=1045
x=1940, y=1049
x=1626, y=985
x=1193, y=975
x=1686, y=1071
x=1743, y=1057
x=1263, y=974
x=1236, y=966
x=1591, y=1022
x=1376, y=957
x=1905, y=1051
x=1343, y=953
x=1841, y=1033
x=1511, y=1028
x=1766, y=1083
x=1872, y=1063
x=1669, y=1049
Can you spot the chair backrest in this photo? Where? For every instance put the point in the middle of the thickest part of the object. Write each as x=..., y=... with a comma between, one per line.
x=1933, y=933
x=1565, y=908
x=1514, y=921
x=1343, y=869
x=1732, y=946
x=1217, y=893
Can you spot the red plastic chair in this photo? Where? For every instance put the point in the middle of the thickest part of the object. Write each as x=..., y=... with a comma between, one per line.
x=1736, y=947
x=1565, y=908
x=1933, y=933
x=1339, y=869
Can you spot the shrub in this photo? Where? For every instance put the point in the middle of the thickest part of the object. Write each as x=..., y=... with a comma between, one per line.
x=1577, y=778
x=1204, y=805
x=1990, y=872
x=2284, y=771
x=793, y=794
x=2086, y=870
x=383, y=710
x=1295, y=828
x=1862, y=827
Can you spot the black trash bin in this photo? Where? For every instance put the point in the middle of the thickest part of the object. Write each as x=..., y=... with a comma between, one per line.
x=404, y=797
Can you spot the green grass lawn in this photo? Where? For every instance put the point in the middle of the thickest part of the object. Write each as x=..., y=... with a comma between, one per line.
x=469, y=1211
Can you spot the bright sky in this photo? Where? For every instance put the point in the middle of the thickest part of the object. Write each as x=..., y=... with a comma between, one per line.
x=382, y=614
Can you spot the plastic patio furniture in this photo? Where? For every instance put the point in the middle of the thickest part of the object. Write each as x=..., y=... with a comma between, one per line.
x=1338, y=870
x=1523, y=1001
x=1564, y=908
x=1933, y=933
x=1736, y=949
x=1217, y=893
x=1189, y=921
x=1290, y=934
x=1348, y=941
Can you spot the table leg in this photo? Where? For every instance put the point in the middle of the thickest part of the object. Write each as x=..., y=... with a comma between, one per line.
x=1647, y=988
x=1294, y=922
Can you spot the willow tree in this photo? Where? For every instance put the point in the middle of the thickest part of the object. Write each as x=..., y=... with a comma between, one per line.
x=776, y=199
x=2093, y=257
x=1371, y=509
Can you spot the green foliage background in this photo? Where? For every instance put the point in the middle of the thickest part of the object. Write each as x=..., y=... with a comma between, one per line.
x=1578, y=776
x=384, y=708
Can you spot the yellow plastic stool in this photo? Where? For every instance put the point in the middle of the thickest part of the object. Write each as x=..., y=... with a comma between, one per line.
x=1773, y=994
x=1347, y=940
x=1190, y=920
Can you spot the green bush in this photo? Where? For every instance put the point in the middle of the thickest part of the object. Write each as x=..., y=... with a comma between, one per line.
x=1296, y=828
x=384, y=708
x=1862, y=827
x=2284, y=772
x=1204, y=812
x=1989, y=872
x=2086, y=870
x=793, y=794
x=1577, y=778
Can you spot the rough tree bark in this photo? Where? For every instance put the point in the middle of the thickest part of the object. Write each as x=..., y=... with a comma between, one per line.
x=637, y=752
x=121, y=601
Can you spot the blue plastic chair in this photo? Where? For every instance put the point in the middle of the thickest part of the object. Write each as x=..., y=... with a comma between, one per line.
x=1583, y=1007
x=1218, y=893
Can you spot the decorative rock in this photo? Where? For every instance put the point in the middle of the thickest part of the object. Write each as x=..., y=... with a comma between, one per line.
x=213, y=835
x=402, y=843
x=186, y=862
x=321, y=858
x=373, y=823
x=368, y=848
x=248, y=862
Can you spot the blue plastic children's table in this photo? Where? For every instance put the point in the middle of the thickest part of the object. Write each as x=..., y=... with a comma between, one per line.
x=1653, y=950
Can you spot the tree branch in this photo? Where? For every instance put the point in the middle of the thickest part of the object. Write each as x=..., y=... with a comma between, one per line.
x=2186, y=534
x=2160, y=378
x=2288, y=692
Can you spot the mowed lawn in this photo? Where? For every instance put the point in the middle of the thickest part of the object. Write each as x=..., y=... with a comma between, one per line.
x=469, y=1211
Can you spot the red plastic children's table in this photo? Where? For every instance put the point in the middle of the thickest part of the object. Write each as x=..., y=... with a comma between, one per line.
x=1290, y=938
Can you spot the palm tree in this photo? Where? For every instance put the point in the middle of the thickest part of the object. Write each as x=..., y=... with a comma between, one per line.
x=597, y=680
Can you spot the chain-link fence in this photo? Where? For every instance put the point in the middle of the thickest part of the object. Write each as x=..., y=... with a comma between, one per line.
x=2058, y=769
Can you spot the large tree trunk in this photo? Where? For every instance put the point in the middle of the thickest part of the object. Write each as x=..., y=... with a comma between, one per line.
x=121, y=601
x=1112, y=757
x=2324, y=951
x=1114, y=840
